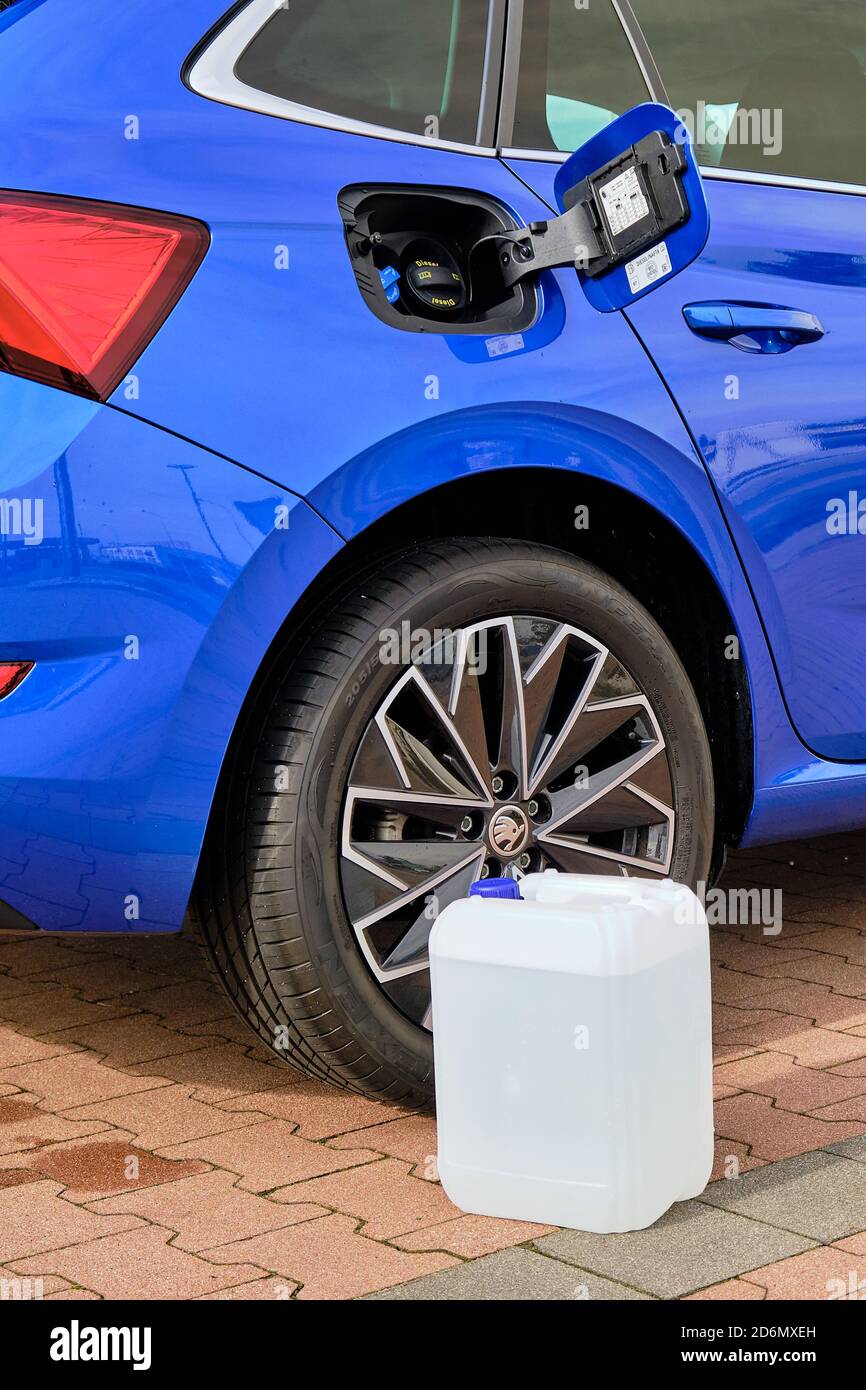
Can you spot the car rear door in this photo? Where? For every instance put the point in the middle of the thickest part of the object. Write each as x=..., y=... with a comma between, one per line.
x=762, y=342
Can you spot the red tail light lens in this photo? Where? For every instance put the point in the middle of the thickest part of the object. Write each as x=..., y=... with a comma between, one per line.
x=12, y=674
x=84, y=286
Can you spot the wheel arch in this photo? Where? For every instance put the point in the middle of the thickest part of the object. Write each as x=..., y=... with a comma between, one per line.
x=626, y=537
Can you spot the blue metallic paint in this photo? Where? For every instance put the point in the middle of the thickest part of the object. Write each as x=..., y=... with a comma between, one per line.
x=110, y=765
x=164, y=575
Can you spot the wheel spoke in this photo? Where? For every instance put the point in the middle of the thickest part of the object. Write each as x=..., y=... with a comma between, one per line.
x=406, y=921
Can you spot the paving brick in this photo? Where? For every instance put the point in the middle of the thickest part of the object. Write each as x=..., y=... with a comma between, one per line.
x=854, y=1244
x=383, y=1195
x=269, y=1154
x=127, y=1042
x=731, y=1159
x=206, y=1210
x=750, y=956
x=729, y=1290
x=138, y=1264
x=412, y=1137
x=330, y=1259
x=773, y=1133
x=16, y=1048
x=824, y=1006
x=185, y=1004
x=740, y=987
x=852, y=1111
x=854, y=1149
x=104, y=978
x=729, y=1016
x=820, y=968
x=825, y=1273
x=13, y=987
x=693, y=1245
x=319, y=1111
x=42, y=1014
x=37, y=955
x=818, y=1194
x=45, y=1222
x=163, y=1115
x=271, y=1288
x=472, y=1236
x=217, y=1073
x=13, y=1177
x=512, y=1274
x=77, y=1078
x=808, y=1046
x=792, y=1087
x=24, y=1126
x=99, y=1166
x=838, y=941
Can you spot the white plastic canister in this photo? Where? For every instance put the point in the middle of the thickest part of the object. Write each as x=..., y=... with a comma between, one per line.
x=572, y=1040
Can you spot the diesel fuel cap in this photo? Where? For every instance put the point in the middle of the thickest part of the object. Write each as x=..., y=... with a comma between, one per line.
x=433, y=283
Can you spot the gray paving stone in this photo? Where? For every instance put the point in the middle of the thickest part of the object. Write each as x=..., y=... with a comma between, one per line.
x=817, y=1194
x=692, y=1246
x=511, y=1274
x=849, y=1148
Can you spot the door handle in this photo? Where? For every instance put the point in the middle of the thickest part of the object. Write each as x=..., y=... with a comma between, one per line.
x=764, y=328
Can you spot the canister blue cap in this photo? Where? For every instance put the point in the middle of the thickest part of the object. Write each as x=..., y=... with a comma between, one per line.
x=495, y=888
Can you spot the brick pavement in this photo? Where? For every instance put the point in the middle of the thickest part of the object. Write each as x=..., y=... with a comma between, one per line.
x=150, y=1148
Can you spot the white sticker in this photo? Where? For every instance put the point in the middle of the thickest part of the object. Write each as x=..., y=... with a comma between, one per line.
x=623, y=202
x=510, y=342
x=647, y=269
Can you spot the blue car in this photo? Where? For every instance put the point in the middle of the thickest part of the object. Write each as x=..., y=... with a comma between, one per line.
x=346, y=559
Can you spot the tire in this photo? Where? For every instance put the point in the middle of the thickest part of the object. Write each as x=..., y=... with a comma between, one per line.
x=274, y=891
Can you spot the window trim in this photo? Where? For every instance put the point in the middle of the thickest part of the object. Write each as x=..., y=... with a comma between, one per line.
x=210, y=73
x=511, y=69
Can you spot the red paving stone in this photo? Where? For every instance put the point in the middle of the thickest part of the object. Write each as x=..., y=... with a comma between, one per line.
x=265, y=1155
x=318, y=1112
x=331, y=1260
x=165, y=1115
x=790, y=1086
x=383, y=1195
x=103, y=1164
x=207, y=1210
x=253, y=1182
x=24, y=1126
x=772, y=1133
x=138, y=1264
x=821, y=1274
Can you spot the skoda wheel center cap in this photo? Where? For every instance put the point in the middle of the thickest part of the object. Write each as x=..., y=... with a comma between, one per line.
x=509, y=831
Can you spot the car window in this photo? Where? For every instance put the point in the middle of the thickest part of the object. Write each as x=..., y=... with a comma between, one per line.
x=769, y=86
x=577, y=74
x=412, y=65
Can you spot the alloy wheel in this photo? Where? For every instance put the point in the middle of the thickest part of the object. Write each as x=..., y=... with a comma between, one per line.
x=511, y=746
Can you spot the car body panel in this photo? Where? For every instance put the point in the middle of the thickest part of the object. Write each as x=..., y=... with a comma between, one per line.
x=783, y=436
x=162, y=575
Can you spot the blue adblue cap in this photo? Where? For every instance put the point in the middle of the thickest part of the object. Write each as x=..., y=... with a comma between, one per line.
x=390, y=277
x=495, y=888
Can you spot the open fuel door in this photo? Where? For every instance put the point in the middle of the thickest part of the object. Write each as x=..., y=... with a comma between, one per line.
x=452, y=260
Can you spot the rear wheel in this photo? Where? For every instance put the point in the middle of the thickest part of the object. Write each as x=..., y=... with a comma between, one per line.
x=469, y=708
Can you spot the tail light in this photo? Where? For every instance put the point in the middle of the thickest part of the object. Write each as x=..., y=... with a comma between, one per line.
x=12, y=673
x=84, y=286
